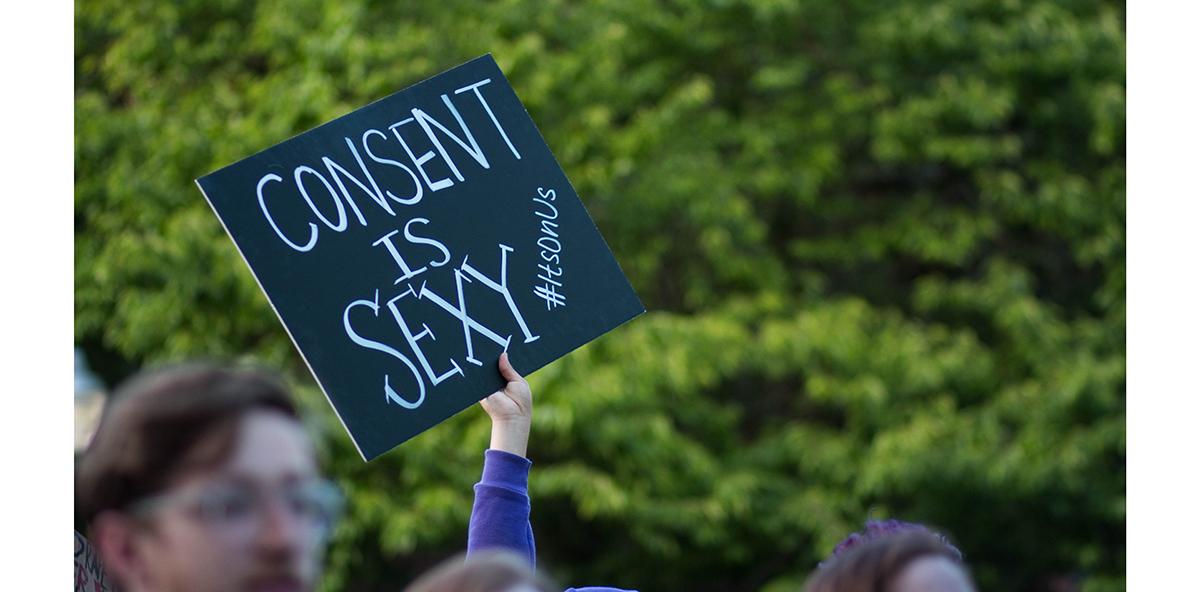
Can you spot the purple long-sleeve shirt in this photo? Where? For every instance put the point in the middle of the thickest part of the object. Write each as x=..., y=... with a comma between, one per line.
x=500, y=516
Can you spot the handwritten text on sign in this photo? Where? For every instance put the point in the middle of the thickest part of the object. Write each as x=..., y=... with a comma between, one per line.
x=406, y=244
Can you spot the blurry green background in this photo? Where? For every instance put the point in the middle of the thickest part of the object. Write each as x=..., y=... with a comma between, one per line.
x=882, y=245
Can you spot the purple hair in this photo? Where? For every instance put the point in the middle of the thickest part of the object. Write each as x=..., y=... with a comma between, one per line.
x=878, y=529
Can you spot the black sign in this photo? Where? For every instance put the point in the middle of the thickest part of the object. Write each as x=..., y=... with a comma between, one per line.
x=407, y=244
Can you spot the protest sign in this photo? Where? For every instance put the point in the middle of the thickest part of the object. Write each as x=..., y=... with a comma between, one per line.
x=405, y=245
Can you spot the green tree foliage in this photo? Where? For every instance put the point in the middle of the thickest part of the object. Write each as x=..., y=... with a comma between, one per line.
x=882, y=245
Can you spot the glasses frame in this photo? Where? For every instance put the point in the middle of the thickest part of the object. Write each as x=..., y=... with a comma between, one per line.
x=325, y=494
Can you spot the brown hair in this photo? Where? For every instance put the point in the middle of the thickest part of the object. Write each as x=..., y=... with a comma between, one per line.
x=150, y=431
x=490, y=571
x=874, y=566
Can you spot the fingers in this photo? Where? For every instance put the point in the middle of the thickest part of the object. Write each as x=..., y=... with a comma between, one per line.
x=507, y=371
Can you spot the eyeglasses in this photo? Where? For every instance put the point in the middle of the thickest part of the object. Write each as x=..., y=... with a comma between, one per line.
x=239, y=509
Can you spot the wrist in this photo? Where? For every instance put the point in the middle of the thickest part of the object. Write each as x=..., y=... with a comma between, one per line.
x=511, y=436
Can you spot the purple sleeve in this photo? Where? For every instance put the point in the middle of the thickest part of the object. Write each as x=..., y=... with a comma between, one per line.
x=500, y=516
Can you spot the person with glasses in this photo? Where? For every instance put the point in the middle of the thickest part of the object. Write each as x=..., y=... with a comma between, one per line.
x=203, y=478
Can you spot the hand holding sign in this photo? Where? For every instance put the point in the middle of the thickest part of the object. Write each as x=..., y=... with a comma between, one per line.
x=408, y=244
x=511, y=410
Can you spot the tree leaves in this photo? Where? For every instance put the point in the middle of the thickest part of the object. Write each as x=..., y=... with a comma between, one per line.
x=882, y=245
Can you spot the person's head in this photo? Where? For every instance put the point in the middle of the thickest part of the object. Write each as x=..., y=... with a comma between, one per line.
x=912, y=560
x=492, y=571
x=878, y=529
x=202, y=478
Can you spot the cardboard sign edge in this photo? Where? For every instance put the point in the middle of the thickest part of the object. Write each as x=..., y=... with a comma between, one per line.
x=352, y=111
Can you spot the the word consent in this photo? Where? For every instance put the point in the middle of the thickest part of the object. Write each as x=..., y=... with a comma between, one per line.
x=325, y=193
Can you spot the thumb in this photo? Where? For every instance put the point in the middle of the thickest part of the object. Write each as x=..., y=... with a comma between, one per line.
x=506, y=369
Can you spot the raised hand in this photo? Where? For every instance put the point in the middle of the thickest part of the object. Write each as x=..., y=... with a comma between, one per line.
x=511, y=410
